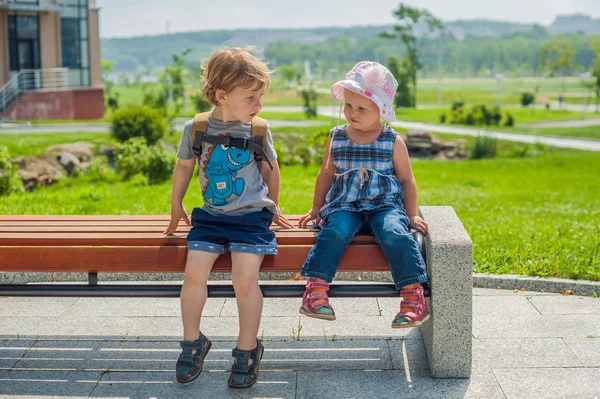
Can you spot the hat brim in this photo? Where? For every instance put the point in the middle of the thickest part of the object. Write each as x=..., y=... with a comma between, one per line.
x=386, y=111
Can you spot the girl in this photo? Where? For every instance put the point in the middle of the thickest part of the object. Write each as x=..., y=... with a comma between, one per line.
x=366, y=182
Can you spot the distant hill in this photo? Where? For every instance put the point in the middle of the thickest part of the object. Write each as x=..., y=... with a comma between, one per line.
x=152, y=52
x=575, y=23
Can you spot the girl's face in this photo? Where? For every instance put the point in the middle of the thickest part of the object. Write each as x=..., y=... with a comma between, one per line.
x=360, y=112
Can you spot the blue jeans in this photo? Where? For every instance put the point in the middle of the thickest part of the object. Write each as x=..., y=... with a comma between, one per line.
x=388, y=224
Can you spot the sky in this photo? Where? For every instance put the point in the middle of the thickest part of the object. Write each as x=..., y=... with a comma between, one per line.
x=122, y=18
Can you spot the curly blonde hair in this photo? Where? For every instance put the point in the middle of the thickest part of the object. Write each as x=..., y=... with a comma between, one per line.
x=228, y=68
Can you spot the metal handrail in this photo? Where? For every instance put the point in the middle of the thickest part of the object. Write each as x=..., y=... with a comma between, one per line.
x=30, y=80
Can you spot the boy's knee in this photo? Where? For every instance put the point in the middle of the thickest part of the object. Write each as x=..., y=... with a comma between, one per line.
x=244, y=286
x=195, y=275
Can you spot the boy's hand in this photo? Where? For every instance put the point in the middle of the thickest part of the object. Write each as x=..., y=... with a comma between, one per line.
x=311, y=215
x=417, y=223
x=177, y=213
x=281, y=220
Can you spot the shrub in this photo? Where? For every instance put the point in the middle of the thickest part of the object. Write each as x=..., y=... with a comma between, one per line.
x=131, y=157
x=510, y=121
x=134, y=157
x=138, y=122
x=159, y=166
x=310, y=102
x=9, y=174
x=200, y=103
x=443, y=118
x=484, y=147
x=527, y=99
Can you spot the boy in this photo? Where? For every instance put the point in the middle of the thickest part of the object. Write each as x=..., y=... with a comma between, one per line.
x=241, y=194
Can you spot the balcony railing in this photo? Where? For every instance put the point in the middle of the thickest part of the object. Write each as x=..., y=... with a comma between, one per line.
x=43, y=5
x=29, y=80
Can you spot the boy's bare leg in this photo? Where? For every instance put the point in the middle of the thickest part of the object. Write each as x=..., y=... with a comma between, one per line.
x=244, y=276
x=194, y=291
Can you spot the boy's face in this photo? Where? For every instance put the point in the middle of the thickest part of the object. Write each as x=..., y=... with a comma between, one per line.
x=242, y=104
x=360, y=112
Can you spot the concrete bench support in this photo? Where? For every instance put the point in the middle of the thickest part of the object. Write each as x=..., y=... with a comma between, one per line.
x=448, y=333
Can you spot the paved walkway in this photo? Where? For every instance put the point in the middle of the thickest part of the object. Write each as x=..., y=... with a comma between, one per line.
x=526, y=345
x=555, y=141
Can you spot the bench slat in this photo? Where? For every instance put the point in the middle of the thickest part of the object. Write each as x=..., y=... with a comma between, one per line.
x=165, y=259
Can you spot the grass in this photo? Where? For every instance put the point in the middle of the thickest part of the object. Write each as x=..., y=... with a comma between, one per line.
x=293, y=116
x=521, y=114
x=585, y=132
x=36, y=144
x=472, y=90
x=535, y=215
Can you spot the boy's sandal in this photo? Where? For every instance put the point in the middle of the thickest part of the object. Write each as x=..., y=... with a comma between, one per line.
x=189, y=365
x=418, y=314
x=244, y=374
x=313, y=301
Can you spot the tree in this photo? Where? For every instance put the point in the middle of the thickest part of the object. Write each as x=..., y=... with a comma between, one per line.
x=289, y=73
x=596, y=70
x=403, y=97
x=111, y=98
x=557, y=57
x=409, y=18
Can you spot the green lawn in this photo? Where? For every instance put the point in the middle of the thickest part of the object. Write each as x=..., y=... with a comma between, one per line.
x=521, y=114
x=536, y=215
x=586, y=132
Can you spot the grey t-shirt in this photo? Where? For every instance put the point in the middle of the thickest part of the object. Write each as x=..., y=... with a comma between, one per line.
x=230, y=177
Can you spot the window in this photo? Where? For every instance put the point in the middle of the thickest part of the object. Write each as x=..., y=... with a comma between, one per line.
x=23, y=42
x=75, y=42
x=71, y=50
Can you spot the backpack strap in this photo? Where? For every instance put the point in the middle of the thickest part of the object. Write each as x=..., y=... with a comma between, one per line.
x=199, y=129
x=259, y=136
x=256, y=144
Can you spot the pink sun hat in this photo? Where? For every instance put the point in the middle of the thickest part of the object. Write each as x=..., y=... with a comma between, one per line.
x=373, y=81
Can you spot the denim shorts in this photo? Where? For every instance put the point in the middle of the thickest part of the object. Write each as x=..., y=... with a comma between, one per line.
x=221, y=234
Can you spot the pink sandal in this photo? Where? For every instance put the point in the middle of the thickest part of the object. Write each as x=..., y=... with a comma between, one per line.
x=418, y=313
x=315, y=300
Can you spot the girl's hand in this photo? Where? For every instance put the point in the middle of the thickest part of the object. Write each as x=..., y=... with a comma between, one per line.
x=311, y=215
x=177, y=213
x=417, y=223
x=282, y=221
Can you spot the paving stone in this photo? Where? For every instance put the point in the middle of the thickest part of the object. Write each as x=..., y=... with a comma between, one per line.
x=566, y=305
x=207, y=385
x=290, y=306
x=587, y=350
x=367, y=327
x=11, y=351
x=47, y=384
x=525, y=352
x=541, y=326
x=131, y=307
x=68, y=328
x=549, y=383
x=34, y=307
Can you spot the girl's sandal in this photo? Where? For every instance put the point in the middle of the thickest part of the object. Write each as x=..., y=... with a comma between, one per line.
x=315, y=298
x=244, y=374
x=418, y=313
x=190, y=362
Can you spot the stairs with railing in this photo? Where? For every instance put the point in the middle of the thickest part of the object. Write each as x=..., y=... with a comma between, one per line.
x=31, y=80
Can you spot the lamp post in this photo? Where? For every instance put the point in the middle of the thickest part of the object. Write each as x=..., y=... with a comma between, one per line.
x=499, y=77
x=332, y=72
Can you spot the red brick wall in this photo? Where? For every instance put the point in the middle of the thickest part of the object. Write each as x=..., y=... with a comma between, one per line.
x=65, y=104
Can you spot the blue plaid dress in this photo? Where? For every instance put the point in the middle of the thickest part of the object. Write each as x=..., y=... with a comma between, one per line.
x=364, y=174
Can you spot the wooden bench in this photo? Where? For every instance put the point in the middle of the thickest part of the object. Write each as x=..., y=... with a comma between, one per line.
x=135, y=244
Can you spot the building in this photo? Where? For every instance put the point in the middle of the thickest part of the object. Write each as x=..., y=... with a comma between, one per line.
x=50, y=64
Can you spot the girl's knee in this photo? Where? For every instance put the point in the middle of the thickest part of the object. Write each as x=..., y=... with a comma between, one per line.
x=397, y=241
